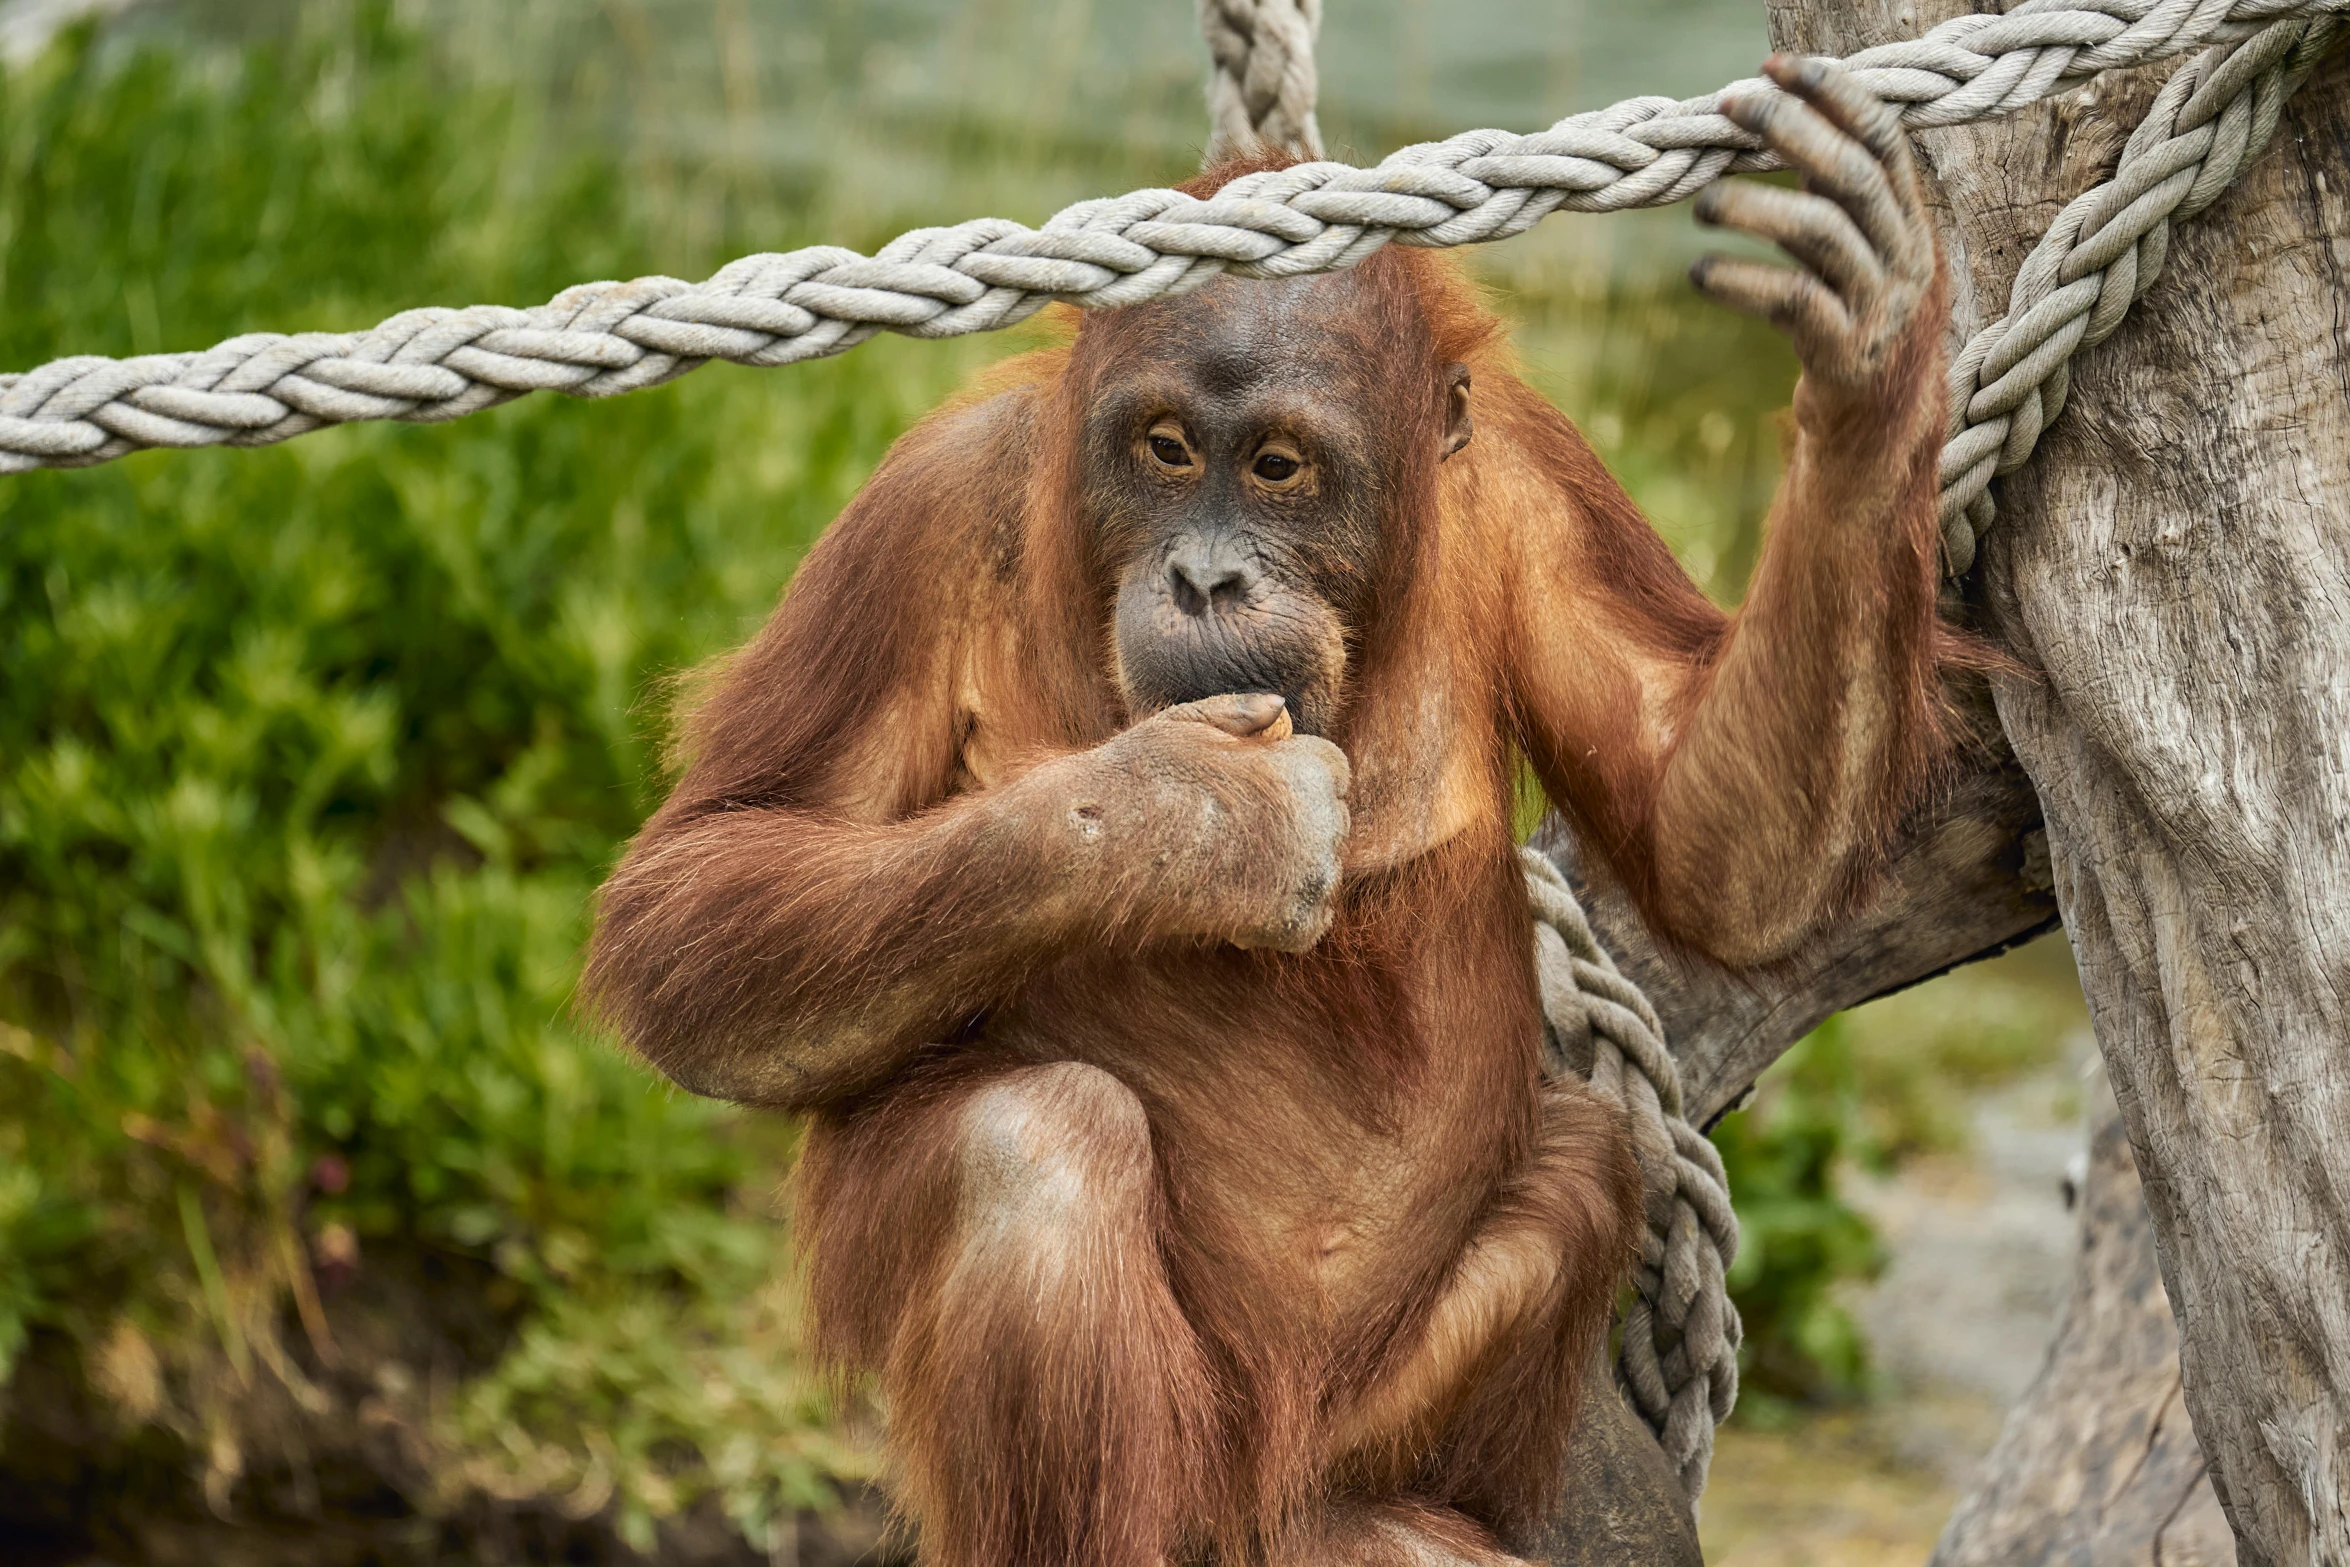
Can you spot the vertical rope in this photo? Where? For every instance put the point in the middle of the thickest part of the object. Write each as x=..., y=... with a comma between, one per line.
x=1679, y=1347
x=1261, y=92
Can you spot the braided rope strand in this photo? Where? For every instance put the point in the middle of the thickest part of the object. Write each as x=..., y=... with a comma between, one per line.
x=1262, y=89
x=2103, y=252
x=1679, y=1348
x=602, y=339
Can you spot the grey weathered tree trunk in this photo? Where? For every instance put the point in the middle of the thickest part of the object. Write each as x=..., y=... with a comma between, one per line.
x=2173, y=571
x=2099, y=1462
x=2100, y=1456
x=1968, y=880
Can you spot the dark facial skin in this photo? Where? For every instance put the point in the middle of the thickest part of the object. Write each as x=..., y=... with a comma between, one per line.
x=1238, y=473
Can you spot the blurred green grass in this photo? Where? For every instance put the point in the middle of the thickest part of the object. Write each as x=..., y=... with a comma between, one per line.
x=314, y=756
x=311, y=757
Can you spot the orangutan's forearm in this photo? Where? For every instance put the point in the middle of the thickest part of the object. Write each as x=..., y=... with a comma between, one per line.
x=1818, y=711
x=787, y=958
x=779, y=958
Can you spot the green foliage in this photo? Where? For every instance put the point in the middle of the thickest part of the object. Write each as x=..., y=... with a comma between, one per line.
x=1798, y=1239
x=314, y=756
x=1867, y=1091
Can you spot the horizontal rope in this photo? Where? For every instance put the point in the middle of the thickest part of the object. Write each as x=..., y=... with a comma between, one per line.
x=602, y=339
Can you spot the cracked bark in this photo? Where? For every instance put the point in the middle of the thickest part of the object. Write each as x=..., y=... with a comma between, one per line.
x=2098, y=1462
x=1967, y=881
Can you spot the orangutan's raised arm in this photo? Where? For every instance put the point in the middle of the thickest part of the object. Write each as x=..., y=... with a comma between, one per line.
x=1740, y=772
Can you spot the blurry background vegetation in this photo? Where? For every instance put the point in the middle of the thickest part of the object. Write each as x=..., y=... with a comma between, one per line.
x=315, y=1201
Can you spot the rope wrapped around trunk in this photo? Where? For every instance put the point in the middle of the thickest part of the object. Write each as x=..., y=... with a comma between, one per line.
x=2102, y=254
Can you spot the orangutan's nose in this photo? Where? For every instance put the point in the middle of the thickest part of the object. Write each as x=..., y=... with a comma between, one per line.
x=1210, y=576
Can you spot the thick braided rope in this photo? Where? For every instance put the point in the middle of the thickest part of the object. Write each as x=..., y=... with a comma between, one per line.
x=1261, y=91
x=1679, y=1355
x=2102, y=254
x=600, y=339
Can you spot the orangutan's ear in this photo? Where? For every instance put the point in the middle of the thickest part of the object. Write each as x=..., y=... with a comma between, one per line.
x=1458, y=426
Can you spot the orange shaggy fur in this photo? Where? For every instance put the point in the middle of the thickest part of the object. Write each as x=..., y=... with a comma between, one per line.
x=1165, y=1250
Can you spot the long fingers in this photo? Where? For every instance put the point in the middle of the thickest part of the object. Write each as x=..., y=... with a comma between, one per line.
x=1874, y=123
x=1858, y=229
x=1812, y=229
x=1838, y=165
x=1796, y=302
x=1850, y=107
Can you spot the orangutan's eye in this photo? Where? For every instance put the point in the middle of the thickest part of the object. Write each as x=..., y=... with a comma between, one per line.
x=1169, y=450
x=1276, y=467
